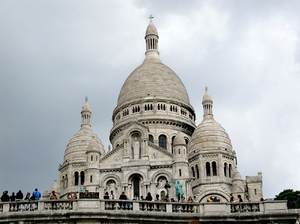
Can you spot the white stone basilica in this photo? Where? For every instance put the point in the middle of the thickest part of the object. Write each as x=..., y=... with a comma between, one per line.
x=156, y=143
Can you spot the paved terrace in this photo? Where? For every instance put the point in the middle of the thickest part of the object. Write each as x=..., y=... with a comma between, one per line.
x=130, y=211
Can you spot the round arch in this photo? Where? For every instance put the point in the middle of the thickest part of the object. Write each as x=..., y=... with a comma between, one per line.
x=204, y=196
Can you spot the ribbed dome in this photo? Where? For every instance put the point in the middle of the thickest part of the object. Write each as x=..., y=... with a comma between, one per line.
x=79, y=144
x=153, y=80
x=210, y=135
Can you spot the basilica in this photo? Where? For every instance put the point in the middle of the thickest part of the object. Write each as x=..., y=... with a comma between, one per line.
x=156, y=145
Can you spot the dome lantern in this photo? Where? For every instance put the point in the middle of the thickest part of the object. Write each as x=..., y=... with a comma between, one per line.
x=86, y=114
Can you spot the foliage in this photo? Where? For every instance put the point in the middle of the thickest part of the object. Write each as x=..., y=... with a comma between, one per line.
x=292, y=197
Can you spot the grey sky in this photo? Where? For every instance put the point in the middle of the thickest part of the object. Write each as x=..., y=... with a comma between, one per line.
x=55, y=53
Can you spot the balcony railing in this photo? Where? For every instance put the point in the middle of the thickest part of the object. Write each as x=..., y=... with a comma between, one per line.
x=133, y=205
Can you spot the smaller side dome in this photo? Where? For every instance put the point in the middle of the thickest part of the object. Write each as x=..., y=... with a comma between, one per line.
x=95, y=146
x=179, y=139
x=209, y=135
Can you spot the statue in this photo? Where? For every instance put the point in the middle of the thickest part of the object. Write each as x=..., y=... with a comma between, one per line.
x=179, y=191
x=136, y=149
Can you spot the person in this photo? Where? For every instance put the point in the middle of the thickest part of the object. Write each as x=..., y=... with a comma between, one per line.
x=5, y=196
x=231, y=198
x=240, y=198
x=12, y=197
x=27, y=197
x=112, y=197
x=53, y=195
x=166, y=198
x=174, y=207
x=36, y=195
x=190, y=207
x=183, y=206
x=135, y=197
x=19, y=195
x=157, y=198
x=179, y=191
x=123, y=197
x=106, y=196
x=149, y=198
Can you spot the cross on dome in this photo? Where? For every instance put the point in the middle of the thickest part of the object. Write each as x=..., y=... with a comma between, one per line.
x=151, y=17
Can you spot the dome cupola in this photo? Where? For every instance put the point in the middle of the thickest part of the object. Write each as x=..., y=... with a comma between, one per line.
x=209, y=135
x=81, y=141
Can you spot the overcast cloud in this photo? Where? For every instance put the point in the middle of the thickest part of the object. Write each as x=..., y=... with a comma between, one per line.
x=55, y=53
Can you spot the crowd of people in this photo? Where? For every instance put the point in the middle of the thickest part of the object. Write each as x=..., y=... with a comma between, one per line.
x=19, y=196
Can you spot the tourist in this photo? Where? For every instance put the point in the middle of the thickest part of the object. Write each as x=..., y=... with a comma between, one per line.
x=53, y=195
x=174, y=207
x=106, y=196
x=149, y=198
x=123, y=197
x=190, y=207
x=183, y=206
x=240, y=198
x=12, y=197
x=5, y=196
x=27, y=197
x=231, y=198
x=157, y=198
x=19, y=195
x=135, y=197
x=112, y=197
x=36, y=195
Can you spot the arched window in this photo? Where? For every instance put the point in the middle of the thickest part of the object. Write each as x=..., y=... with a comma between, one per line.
x=151, y=138
x=76, y=177
x=230, y=170
x=207, y=165
x=91, y=179
x=162, y=141
x=180, y=172
x=197, y=170
x=82, y=178
x=193, y=171
x=214, y=168
x=92, y=158
x=186, y=141
x=66, y=181
x=225, y=169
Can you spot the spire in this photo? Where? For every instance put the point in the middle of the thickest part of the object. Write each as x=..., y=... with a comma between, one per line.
x=86, y=114
x=151, y=38
x=207, y=105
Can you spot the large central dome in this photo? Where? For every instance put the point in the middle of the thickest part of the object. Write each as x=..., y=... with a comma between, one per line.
x=152, y=79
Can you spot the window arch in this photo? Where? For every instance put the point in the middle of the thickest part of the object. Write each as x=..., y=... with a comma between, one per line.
x=151, y=138
x=207, y=165
x=214, y=168
x=193, y=171
x=76, y=178
x=225, y=169
x=197, y=171
x=82, y=177
x=230, y=170
x=162, y=141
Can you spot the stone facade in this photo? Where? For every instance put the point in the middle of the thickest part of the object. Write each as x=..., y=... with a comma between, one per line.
x=156, y=144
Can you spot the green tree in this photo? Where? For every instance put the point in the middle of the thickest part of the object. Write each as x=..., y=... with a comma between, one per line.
x=292, y=197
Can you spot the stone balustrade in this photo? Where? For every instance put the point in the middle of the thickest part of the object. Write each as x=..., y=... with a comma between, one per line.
x=132, y=205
